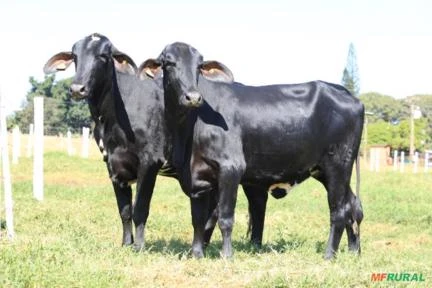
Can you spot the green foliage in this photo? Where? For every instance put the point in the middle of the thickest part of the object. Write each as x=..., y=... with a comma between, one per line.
x=384, y=107
x=390, y=117
x=380, y=132
x=350, y=77
x=397, y=136
x=72, y=238
x=60, y=112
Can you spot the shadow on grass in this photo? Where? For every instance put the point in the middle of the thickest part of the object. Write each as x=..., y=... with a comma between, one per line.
x=183, y=249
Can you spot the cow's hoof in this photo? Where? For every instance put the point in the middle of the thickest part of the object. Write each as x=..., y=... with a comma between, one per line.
x=226, y=254
x=197, y=254
x=128, y=242
x=329, y=256
x=136, y=247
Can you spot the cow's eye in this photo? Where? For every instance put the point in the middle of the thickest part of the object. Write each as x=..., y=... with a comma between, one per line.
x=169, y=63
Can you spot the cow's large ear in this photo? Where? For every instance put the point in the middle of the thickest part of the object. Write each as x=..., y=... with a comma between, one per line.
x=124, y=63
x=216, y=71
x=149, y=68
x=58, y=62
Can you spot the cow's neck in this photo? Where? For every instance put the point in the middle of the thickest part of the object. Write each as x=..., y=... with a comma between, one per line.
x=180, y=123
x=100, y=103
x=107, y=107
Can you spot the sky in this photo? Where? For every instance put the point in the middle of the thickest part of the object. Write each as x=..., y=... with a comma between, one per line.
x=262, y=42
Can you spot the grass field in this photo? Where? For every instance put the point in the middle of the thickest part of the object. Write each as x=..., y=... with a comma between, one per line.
x=72, y=238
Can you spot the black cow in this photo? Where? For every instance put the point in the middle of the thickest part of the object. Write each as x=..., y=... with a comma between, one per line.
x=129, y=124
x=267, y=137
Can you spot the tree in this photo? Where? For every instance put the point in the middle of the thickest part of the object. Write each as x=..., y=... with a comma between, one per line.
x=384, y=108
x=397, y=135
x=60, y=113
x=350, y=77
x=389, y=122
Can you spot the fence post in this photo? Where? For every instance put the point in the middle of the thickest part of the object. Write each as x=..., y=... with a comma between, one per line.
x=416, y=160
x=38, y=182
x=30, y=141
x=16, y=144
x=85, y=142
x=395, y=159
x=402, y=164
x=426, y=168
x=69, y=143
x=6, y=172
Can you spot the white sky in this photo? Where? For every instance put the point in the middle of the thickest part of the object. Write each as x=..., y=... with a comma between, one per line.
x=262, y=42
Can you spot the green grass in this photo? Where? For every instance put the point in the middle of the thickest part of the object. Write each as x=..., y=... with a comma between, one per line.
x=72, y=238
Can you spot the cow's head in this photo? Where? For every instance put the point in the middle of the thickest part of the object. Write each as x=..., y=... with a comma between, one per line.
x=95, y=58
x=182, y=65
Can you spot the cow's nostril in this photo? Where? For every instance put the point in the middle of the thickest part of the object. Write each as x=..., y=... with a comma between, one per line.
x=188, y=98
x=78, y=90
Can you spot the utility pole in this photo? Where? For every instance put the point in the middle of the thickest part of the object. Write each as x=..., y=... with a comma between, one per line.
x=365, y=133
x=415, y=113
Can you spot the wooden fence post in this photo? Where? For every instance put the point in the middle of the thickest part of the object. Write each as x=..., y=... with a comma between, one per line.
x=85, y=142
x=69, y=143
x=402, y=163
x=6, y=176
x=30, y=141
x=395, y=160
x=416, y=160
x=16, y=145
x=38, y=176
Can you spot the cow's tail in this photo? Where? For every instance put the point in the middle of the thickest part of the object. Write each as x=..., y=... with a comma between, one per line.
x=357, y=210
x=357, y=166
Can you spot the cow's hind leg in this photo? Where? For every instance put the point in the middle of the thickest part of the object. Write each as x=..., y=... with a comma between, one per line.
x=257, y=198
x=339, y=195
x=211, y=218
x=124, y=204
x=338, y=216
x=353, y=227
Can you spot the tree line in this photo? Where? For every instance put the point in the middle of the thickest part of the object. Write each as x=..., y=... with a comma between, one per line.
x=388, y=120
x=61, y=113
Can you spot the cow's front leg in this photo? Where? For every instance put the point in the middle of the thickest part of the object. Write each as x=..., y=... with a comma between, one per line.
x=124, y=204
x=144, y=191
x=229, y=180
x=199, y=210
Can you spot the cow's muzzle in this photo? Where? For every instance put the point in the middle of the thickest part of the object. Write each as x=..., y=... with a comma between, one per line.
x=78, y=91
x=193, y=99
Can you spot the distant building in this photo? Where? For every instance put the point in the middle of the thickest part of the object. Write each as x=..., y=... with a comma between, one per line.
x=379, y=156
